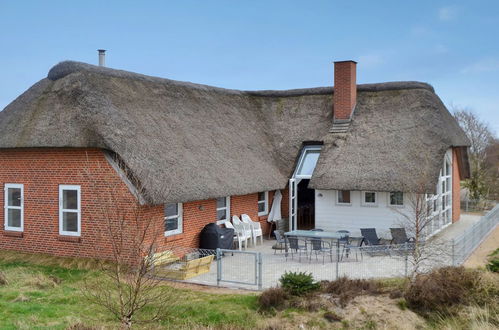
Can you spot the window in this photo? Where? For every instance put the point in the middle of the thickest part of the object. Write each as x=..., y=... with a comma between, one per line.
x=307, y=162
x=263, y=203
x=14, y=204
x=344, y=197
x=69, y=210
x=369, y=198
x=223, y=209
x=173, y=219
x=446, y=192
x=396, y=198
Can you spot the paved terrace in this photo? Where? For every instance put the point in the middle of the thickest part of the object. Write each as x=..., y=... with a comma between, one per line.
x=241, y=267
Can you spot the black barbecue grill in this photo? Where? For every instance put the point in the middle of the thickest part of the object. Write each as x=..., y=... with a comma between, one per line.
x=213, y=237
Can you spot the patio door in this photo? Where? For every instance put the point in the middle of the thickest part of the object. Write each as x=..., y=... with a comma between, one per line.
x=293, y=204
x=304, y=170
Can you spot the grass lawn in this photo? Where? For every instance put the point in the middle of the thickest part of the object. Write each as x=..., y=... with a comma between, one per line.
x=42, y=294
x=47, y=292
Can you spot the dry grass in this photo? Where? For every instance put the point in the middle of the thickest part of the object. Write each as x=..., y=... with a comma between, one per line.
x=346, y=289
x=52, y=261
x=3, y=279
x=444, y=288
x=273, y=298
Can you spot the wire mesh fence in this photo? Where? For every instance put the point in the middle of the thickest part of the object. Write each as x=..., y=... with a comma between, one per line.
x=262, y=265
x=464, y=244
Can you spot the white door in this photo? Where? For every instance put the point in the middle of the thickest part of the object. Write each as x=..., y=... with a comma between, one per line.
x=293, y=204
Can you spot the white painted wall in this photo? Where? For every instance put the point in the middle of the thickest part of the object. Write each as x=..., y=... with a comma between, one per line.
x=332, y=216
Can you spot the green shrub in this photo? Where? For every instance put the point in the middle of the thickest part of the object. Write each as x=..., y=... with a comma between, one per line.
x=402, y=304
x=298, y=284
x=493, y=264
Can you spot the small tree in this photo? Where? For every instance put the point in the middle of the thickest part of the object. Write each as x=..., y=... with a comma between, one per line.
x=481, y=137
x=492, y=163
x=131, y=236
x=417, y=219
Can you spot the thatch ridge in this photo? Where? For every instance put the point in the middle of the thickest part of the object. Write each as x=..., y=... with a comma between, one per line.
x=187, y=141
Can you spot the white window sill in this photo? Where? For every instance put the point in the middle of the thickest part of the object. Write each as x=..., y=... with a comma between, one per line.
x=262, y=214
x=69, y=233
x=172, y=232
x=19, y=229
x=221, y=222
x=343, y=204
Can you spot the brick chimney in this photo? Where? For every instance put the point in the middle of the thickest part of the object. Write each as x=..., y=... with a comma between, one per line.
x=345, y=90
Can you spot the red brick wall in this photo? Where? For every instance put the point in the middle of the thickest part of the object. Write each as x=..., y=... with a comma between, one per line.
x=456, y=188
x=345, y=89
x=43, y=170
x=199, y=213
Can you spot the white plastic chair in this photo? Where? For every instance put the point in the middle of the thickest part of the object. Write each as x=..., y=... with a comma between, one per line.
x=256, y=228
x=239, y=236
x=245, y=228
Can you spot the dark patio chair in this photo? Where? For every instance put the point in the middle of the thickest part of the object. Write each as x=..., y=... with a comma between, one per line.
x=402, y=244
x=399, y=236
x=344, y=239
x=370, y=236
x=353, y=245
x=280, y=241
x=298, y=245
x=374, y=244
x=318, y=246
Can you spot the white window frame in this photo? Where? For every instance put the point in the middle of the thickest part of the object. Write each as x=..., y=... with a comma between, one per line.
x=266, y=202
x=305, y=150
x=180, y=221
x=7, y=207
x=363, y=199
x=447, y=194
x=389, y=202
x=437, y=215
x=61, y=210
x=338, y=198
x=227, y=210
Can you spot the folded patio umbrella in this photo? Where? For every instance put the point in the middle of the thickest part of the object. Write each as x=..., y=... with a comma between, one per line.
x=275, y=211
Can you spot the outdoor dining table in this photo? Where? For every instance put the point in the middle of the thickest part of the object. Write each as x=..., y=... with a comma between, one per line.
x=316, y=234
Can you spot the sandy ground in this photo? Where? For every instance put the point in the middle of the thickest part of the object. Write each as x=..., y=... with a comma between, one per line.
x=364, y=312
x=479, y=257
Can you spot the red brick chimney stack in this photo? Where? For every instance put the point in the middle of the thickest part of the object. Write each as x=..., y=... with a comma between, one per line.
x=345, y=90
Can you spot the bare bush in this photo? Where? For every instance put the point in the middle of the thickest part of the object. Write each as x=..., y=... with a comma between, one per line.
x=130, y=292
x=347, y=289
x=273, y=298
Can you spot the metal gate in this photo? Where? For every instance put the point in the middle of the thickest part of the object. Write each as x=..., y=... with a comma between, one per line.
x=239, y=267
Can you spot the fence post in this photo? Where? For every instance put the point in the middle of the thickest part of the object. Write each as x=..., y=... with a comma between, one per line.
x=406, y=259
x=453, y=252
x=337, y=258
x=219, y=266
x=260, y=273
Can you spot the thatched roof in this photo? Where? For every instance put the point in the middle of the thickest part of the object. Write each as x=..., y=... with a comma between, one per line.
x=187, y=142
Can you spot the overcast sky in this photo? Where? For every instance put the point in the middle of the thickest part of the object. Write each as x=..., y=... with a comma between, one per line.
x=267, y=44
